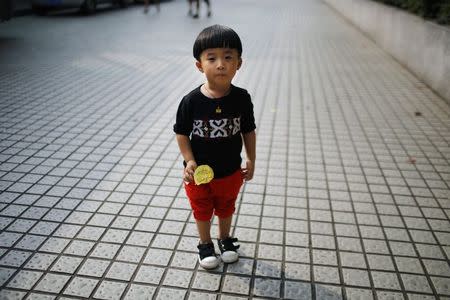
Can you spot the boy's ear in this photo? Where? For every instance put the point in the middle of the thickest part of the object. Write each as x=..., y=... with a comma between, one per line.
x=199, y=66
x=239, y=63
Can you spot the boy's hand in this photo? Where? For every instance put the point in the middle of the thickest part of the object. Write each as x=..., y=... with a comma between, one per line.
x=188, y=175
x=248, y=171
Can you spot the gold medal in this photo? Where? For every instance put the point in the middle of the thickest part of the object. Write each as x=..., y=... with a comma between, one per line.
x=203, y=174
x=218, y=110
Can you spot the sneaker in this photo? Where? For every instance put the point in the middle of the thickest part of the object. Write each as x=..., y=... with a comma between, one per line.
x=228, y=247
x=207, y=256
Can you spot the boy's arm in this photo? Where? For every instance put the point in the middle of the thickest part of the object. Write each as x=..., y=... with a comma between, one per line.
x=186, y=151
x=250, y=151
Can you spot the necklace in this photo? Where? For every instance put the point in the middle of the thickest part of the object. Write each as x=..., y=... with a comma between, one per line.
x=218, y=109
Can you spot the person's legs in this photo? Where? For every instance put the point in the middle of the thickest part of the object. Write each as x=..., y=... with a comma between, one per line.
x=204, y=231
x=208, y=4
x=228, y=246
x=202, y=207
x=146, y=6
x=190, y=7
x=197, y=7
x=158, y=8
x=224, y=227
x=226, y=191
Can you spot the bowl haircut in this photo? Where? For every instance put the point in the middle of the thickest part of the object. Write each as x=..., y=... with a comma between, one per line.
x=216, y=36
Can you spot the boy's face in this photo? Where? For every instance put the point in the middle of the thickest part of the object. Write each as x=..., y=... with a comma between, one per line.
x=219, y=65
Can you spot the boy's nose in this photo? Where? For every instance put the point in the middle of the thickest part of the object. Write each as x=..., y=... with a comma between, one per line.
x=220, y=64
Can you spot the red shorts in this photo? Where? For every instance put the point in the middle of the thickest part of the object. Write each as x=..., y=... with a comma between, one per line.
x=218, y=196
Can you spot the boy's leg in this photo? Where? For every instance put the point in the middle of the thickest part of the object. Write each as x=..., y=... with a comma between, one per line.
x=204, y=231
x=225, y=227
x=228, y=246
x=202, y=208
x=225, y=192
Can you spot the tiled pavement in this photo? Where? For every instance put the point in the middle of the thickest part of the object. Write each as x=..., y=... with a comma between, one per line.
x=351, y=194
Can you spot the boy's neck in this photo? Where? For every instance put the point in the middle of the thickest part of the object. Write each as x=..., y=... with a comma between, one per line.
x=215, y=91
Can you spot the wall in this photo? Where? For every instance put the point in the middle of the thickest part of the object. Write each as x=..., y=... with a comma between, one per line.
x=422, y=46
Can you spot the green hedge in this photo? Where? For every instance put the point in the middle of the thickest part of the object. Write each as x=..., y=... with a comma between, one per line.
x=438, y=10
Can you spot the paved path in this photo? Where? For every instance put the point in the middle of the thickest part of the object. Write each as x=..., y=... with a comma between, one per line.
x=351, y=194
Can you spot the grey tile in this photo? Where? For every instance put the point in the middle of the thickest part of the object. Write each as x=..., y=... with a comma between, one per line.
x=149, y=274
x=170, y=293
x=242, y=266
x=354, y=294
x=158, y=257
x=297, y=290
x=15, y=258
x=178, y=278
x=110, y=290
x=66, y=264
x=139, y=238
x=10, y=294
x=441, y=284
x=267, y=287
x=385, y=295
x=294, y=271
x=40, y=261
x=104, y=250
x=409, y=265
x=325, y=257
x=356, y=277
x=236, y=284
x=270, y=252
x=326, y=274
x=24, y=279
x=385, y=280
x=415, y=283
x=184, y=260
x=140, y=292
x=206, y=281
x=268, y=268
x=121, y=271
x=93, y=267
x=80, y=287
x=80, y=248
x=131, y=254
x=380, y=262
x=328, y=292
x=52, y=283
x=349, y=259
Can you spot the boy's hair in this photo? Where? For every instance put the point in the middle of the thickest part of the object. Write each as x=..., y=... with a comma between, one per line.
x=216, y=36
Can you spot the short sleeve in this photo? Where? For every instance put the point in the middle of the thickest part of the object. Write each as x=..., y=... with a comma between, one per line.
x=183, y=123
x=247, y=117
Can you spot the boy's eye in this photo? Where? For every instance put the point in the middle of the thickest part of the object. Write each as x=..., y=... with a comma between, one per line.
x=228, y=57
x=211, y=58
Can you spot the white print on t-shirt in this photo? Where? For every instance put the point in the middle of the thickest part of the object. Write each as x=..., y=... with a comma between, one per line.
x=216, y=128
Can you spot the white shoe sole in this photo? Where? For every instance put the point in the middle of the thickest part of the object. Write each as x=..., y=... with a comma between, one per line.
x=210, y=262
x=229, y=257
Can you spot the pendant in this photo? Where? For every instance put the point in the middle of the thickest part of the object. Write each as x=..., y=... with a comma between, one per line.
x=218, y=110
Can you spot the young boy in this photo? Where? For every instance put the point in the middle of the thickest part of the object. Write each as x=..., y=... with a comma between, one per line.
x=212, y=122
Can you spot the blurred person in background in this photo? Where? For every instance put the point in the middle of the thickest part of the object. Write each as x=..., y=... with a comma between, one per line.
x=197, y=7
x=146, y=2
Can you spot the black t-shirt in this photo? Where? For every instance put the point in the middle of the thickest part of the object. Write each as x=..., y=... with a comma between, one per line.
x=215, y=127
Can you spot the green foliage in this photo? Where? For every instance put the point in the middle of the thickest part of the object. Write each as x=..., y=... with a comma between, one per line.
x=438, y=10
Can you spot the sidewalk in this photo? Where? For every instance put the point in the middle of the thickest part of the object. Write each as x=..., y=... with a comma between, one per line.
x=350, y=198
